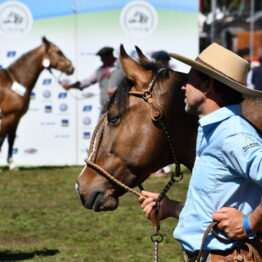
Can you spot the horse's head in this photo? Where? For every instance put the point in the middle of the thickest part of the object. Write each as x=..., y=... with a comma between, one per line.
x=54, y=58
x=133, y=144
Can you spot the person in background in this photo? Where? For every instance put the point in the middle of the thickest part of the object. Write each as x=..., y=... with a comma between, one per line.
x=256, y=78
x=108, y=76
x=226, y=181
x=252, y=64
x=161, y=57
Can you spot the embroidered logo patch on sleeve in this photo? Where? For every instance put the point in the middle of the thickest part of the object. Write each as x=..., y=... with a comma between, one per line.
x=248, y=142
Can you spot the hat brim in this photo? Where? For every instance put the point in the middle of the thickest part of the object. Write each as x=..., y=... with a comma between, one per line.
x=217, y=75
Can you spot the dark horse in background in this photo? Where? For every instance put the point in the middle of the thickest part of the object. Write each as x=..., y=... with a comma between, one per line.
x=17, y=82
x=133, y=146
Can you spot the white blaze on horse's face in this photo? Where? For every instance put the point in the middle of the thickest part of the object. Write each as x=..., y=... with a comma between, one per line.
x=46, y=63
x=76, y=188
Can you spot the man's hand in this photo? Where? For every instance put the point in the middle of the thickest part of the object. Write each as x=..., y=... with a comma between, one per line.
x=66, y=86
x=148, y=202
x=111, y=91
x=231, y=222
x=168, y=207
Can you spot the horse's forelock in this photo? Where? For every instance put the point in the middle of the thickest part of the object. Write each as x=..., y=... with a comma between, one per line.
x=120, y=96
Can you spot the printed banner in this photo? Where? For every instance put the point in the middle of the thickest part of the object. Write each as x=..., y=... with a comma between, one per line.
x=58, y=126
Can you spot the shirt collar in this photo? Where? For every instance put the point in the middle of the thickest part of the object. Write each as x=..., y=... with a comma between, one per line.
x=220, y=115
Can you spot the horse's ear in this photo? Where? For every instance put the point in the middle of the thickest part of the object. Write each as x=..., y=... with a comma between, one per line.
x=46, y=42
x=142, y=58
x=133, y=70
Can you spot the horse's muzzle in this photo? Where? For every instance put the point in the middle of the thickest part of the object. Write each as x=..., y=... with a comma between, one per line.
x=97, y=200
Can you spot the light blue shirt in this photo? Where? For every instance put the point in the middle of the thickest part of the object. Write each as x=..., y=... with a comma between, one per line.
x=227, y=173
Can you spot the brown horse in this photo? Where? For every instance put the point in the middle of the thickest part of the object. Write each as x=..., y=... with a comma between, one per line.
x=133, y=146
x=17, y=82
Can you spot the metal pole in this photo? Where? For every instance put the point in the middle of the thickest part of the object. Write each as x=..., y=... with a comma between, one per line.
x=213, y=29
x=251, y=40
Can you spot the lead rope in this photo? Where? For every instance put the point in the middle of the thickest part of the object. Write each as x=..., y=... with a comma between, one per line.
x=177, y=176
x=157, y=117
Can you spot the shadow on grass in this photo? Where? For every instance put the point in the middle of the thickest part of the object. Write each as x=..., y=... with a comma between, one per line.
x=18, y=256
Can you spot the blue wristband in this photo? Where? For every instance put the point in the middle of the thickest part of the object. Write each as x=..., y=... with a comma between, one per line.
x=247, y=228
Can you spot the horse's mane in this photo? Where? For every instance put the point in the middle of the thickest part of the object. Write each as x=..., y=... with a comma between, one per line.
x=19, y=62
x=120, y=96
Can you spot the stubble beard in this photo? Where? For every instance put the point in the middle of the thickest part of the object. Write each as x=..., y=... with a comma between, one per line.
x=193, y=109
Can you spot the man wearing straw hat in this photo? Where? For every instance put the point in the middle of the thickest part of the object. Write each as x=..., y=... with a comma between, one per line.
x=226, y=182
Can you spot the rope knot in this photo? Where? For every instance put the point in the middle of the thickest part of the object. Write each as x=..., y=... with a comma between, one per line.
x=156, y=112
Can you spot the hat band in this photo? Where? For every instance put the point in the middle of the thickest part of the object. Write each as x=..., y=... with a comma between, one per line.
x=211, y=67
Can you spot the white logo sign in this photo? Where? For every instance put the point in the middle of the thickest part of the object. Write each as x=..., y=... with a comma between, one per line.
x=138, y=19
x=47, y=94
x=15, y=19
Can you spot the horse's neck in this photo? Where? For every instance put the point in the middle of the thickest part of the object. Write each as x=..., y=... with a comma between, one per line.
x=26, y=69
x=251, y=110
x=183, y=128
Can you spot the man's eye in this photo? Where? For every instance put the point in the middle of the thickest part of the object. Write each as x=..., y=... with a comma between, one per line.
x=112, y=119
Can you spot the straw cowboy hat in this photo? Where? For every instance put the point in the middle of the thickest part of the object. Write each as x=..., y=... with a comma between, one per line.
x=222, y=65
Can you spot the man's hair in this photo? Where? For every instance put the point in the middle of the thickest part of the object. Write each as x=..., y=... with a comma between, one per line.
x=229, y=95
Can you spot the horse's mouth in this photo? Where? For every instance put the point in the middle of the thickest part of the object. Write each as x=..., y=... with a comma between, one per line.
x=101, y=202
x=68, y=70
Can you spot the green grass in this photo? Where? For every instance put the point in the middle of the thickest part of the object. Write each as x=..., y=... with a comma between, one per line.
x=42, y=219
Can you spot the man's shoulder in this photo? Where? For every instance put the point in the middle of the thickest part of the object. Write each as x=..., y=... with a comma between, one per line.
x=238, y=125
x=239, y=128
x=257, y=69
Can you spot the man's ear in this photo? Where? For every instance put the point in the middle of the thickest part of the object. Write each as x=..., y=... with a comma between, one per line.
x=208, y=86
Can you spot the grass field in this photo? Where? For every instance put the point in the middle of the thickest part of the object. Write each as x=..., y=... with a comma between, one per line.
x=42, y=219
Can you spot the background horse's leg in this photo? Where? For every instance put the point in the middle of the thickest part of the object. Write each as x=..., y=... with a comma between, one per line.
x=2, y=138
x=11, y=140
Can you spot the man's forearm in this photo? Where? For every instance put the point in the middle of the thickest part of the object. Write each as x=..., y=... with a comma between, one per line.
x=173, y=208
x=255, y=219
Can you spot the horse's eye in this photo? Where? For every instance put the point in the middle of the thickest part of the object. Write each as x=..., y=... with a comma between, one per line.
x=59, y=52
x=112, y=119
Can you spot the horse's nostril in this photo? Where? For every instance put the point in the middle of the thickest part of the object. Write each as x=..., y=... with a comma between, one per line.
x=82, y=200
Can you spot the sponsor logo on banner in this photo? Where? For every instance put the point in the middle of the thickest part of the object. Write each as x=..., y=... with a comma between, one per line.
x=63, y=107
x=30, y=151
x=63, y=136
x=47, y=94
x=15, y=150
x=47, y=123
x=15, y=19
x=87, y=108
x=32, y=95
x=86, y=135
x=87, y=121
x=84, y=150
x=138, y=18
x=47, y=81
x=65, y=122
x=33, y=109
x=11, y=54
x=62, y=95
x=48, y=109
